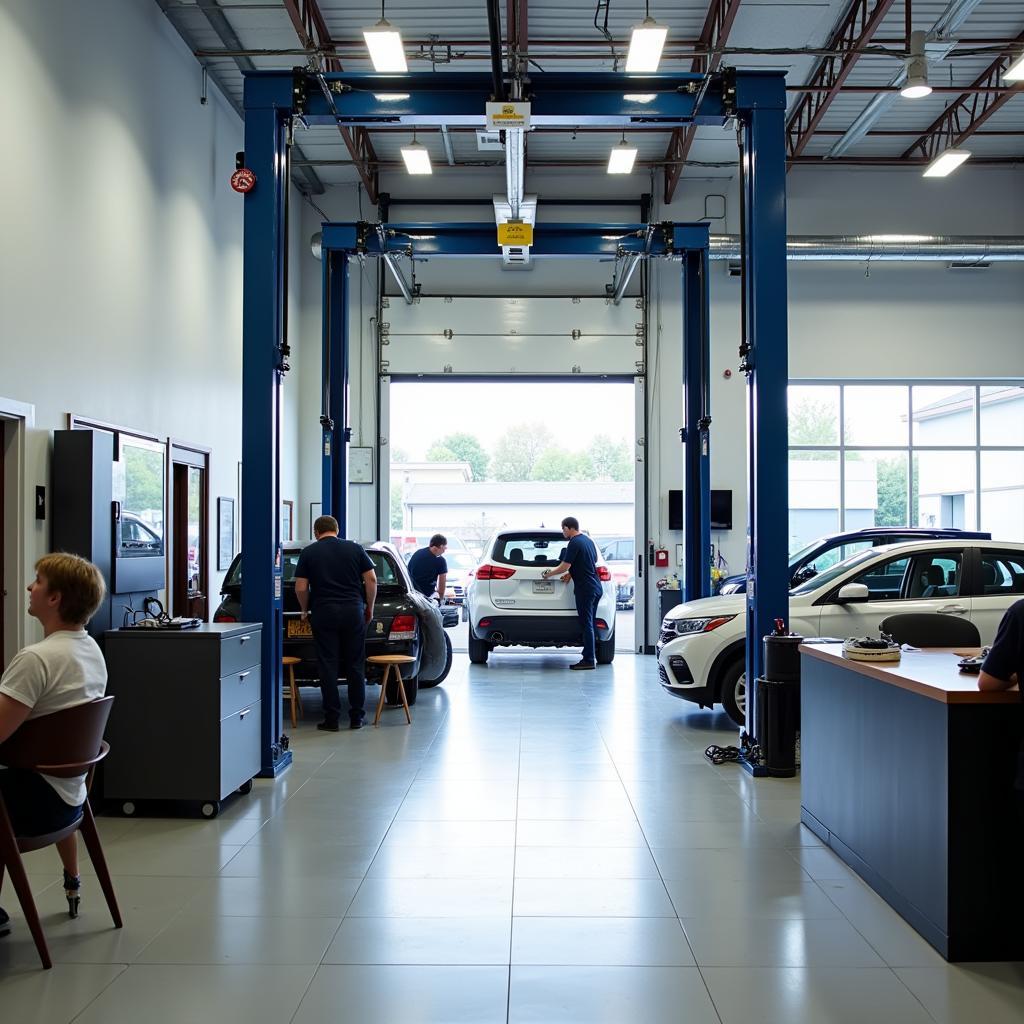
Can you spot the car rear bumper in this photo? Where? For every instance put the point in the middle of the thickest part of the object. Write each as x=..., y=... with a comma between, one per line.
x=534, y=630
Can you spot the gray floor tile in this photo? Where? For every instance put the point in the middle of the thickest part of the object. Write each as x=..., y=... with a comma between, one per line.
x=579, y=833
x=811, y=995
x=395, y=861
x=30, y=995
x=750, y=898
x=591, y=897
x=955, y=993
x=733, y=864
x=595, y=941
x=609, y=995
x=315, y=861
x=606, y=862
x=410, y=834
x=433, y=897
x=422, y=940
x=396, y=994
x=157, y=858
x=285, y=896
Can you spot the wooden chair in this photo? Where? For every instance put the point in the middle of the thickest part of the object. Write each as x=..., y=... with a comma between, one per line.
x=291, y=689
x=391, y=661
x=64, y=744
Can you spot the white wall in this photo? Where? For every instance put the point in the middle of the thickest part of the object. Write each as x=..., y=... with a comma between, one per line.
x=121, y=247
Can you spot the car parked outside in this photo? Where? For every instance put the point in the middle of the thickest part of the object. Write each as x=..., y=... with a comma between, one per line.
x=408, y=542
x=461, y=565
x=702, y=643
x=825, y=552
x=404, y=621
x=619, y=554
x=510, y=603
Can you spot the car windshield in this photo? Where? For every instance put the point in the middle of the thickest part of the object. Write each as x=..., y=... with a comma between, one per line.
x=385, y=569
x=542, y=549
x=459, y=560
x=796, y=557
x=823, y=579
x=382, y=565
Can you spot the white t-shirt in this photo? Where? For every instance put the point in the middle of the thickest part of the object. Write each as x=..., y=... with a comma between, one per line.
x=60, y=672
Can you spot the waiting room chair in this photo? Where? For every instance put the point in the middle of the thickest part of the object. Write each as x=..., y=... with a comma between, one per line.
x=927, y=629
x=64, y=744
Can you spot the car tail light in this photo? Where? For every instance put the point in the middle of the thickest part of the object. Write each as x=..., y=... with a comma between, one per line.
x=601, y=624
x=223, y=617
x=484, y=623
x=403, y=627
x=603, y=574
x=495, y=572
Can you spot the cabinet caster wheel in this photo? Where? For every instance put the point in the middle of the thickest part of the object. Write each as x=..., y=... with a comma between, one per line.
x=210, y=809
x=128, y=808
x=245, y=788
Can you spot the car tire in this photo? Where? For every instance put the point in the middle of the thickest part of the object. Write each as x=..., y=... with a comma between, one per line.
x=478, y=651
x=427, y=683
x=391, y=697
x=733, y=691
x=606, y=650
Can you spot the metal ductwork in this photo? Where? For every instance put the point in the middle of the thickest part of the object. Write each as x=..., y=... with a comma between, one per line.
x=888, y=248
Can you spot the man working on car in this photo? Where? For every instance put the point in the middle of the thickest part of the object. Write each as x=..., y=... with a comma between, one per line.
x=1004, y=665
x=428, y=568
x=336, y=578
x=580, y=562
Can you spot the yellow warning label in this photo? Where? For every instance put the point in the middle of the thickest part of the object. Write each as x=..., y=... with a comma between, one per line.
x=508, y=115
x=515, y=233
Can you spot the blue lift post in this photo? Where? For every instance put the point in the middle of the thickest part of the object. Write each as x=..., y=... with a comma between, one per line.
x=756, y=99
x=334, y=417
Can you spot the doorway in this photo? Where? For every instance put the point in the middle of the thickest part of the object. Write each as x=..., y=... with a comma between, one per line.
x=16, y=419
x=468, y=458
x=189, y=561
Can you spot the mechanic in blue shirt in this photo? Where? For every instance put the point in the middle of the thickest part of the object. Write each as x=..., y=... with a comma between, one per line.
x=580, y=563
x=428, y=568
x=1004, y=665
x=337, y=580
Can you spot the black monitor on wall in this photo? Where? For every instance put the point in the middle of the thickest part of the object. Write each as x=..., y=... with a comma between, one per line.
x=721, y=510
x=675, y=510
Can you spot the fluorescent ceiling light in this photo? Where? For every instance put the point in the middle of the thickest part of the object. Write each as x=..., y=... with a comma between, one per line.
x=390, y=97
x=640, y=97
x=384, y=42
x=417, y=159
x=622, y=158
x=1015, y=72
x=946, y=163
x=645, y=46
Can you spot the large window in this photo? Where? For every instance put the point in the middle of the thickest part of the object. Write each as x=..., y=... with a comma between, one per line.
x=914, y=453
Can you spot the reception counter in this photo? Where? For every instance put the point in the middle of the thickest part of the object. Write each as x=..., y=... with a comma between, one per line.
x=907, y=773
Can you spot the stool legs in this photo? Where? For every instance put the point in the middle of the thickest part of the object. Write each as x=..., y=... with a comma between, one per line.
x=291, y=692
x=401, y=693
x=383, y=693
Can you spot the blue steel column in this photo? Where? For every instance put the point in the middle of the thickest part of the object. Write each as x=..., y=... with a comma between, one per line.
x=334, y=421
x=697, y=402
x=263, y=310
x=767, y=367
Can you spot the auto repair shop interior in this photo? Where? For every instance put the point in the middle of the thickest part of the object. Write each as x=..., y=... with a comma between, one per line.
x=268, y=261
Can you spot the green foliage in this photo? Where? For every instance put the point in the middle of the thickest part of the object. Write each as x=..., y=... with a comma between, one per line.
x=612, y=460
x=556, y=463
x=399, y=455
x=518, y=450
x=144, y=480
x=461, y=448
x=813, y=423
x=397, y=496
x=892, y=493
x=441, y=453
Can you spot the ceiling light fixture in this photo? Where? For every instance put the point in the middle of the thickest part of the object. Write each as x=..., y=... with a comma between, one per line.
x=390, y=97
x=946, y=162
x=622, y=158
x=645, y=45
x=640, y=97
x=916, y=86
x=1015, y=72
x=384, y=42
x=417, y=157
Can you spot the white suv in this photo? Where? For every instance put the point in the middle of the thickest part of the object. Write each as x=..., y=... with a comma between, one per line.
x=701, y=646
x=511, y=604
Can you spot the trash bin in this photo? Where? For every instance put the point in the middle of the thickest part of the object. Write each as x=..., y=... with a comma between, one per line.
x=778, y=704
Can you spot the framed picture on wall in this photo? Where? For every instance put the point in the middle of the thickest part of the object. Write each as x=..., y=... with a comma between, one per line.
x=225, y=532
x=287, y=520
x=314, y=514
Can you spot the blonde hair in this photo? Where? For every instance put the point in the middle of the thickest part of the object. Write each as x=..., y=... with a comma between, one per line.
x=79, y=583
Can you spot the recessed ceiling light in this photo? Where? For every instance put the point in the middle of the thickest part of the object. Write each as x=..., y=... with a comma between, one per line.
x=946, y=163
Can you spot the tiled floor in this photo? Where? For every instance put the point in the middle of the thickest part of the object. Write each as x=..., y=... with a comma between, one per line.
x=538, y=847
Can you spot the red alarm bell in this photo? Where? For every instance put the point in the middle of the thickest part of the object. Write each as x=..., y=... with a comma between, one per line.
x=243, y=180
x=661, y=558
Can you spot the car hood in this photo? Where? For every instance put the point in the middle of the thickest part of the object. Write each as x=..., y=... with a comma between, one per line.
x=728, y=604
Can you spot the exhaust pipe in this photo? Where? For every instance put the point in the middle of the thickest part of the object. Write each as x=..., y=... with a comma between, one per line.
x=497, y=637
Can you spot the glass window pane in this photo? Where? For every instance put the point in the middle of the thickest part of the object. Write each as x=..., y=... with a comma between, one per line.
x=1002, y=494
x=1002, y=415
x=813, y=496
x=876, y=489
x=813, y=414
x=885, y=581
x=944, y=489
x=944, y=415
x=875, y=414
x=935, y=575
x=195, y=528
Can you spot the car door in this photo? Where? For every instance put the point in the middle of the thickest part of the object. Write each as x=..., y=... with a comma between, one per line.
x=928, y=581
x=999, y=584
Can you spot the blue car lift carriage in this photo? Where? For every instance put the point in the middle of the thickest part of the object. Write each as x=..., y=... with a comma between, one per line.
x=755, y=101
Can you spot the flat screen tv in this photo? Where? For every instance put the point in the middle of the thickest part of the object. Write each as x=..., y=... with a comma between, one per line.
x=721, y=510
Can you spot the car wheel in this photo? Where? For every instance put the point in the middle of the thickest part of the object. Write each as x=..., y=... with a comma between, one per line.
x=391, y=697
x=478, y=651
x=606, y=650
x=733, y=691
x=427, y=683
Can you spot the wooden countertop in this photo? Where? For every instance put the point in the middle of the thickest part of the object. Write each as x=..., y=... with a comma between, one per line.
x=932, y=673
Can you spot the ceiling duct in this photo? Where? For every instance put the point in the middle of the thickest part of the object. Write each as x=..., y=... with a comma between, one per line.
x=887, y=248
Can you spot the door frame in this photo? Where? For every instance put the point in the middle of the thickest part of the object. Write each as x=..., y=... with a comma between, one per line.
x=16, y=420
x=186, y=453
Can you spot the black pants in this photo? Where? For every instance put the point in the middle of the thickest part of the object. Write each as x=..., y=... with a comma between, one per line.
x=339, y=635
x=33, y=805
x=586, y=609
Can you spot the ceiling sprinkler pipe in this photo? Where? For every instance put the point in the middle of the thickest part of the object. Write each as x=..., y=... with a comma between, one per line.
x=887, y=248
x=624, y=279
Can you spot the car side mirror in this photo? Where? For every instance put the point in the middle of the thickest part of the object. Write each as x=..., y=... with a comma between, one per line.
x=853, y=593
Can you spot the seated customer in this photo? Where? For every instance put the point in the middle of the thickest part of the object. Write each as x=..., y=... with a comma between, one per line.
x=1004, y=665
x=64, y=669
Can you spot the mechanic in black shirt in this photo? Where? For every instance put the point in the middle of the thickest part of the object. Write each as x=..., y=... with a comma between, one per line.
x=579, y=561
x=428, y=568
x=336, y=579
x=1004, y=665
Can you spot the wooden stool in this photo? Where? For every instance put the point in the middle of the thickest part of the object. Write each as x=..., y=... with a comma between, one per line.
x=391, y=661
x=291, y=689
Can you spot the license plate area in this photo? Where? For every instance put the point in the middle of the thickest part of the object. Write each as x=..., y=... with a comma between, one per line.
x=543, y=587
x=296, y=629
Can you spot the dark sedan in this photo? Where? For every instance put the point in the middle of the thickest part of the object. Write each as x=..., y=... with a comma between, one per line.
x=404, y=622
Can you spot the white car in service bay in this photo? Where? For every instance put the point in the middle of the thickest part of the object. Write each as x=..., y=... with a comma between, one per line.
x=701, y=647
x=510, y=604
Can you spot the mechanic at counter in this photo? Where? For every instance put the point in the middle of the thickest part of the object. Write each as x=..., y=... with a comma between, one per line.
x=1004, y=665
x=428, y=568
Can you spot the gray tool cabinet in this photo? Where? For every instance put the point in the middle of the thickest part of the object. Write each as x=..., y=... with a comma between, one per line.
x=186, y=722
